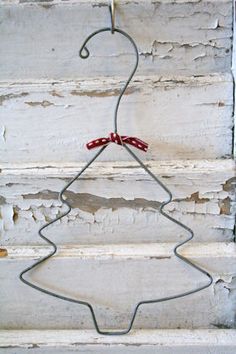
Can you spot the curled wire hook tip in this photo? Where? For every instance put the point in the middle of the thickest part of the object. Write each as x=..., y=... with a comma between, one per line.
x=86, y=54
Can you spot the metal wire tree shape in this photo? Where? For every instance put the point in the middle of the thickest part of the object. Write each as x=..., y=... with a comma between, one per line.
x=84, y=53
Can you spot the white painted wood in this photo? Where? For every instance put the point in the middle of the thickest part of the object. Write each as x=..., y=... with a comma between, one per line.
x=115, y=202
x=114, y=278
x=188, y=118
x=46, y=122
x=234, y=70
x=177, y=37
x=217, y=250
x=139, y=341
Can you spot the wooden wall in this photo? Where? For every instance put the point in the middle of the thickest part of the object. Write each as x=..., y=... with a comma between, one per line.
x=114, y=247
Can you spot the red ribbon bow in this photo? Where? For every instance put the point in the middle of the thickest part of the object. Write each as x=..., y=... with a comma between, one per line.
x=118, y=139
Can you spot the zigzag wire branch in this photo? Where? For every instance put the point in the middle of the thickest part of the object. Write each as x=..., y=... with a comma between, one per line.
x=163, y=204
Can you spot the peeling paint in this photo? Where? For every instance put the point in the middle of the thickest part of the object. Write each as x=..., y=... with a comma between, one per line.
x=230, y=185
x=232, y=287
x=3, y=252
x=169, y=50
x=216, y=104
x=99, y=4
x=44, y=104
x=2, y=200
x=15, y=214
x=193, y=198
x=55, y=93
x=159, y=257
x=225, y=206
x=104, y=93
x=46, y=6
x=218, y=141
x=32, y=1
x=46, y=195
x=221, y=326
x=11, y=96
x=192, y=23
x=214, y=25
x=91, y=203
x=22, y=214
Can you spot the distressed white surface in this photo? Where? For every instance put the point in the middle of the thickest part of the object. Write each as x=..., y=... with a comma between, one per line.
x=114, y=278
x=139, y=341
x=47, y=123
x=188, y=118
x=180, y=37
x=203, y=198
x=234, y=69
x=217, y=250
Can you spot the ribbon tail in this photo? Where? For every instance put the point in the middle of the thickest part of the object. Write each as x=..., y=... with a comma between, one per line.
x=137, y=143
x=97, y=143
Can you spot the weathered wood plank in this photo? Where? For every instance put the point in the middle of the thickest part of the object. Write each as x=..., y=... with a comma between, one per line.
x=140, y=341
x=114, y=278
x=222, y=251
x=177, y=37
x=118, y=202
x=234, y=75
x=188, y=118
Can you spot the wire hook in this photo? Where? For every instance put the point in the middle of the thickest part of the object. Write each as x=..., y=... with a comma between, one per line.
x=84, y=53
x=112, y=13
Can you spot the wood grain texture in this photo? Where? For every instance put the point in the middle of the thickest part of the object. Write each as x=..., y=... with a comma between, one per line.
x=114, y=278
x=173, y=37
x=140, y=341
x=180, y=118
x=118, y=202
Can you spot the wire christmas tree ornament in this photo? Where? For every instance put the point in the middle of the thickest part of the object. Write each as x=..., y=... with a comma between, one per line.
x=103, y=142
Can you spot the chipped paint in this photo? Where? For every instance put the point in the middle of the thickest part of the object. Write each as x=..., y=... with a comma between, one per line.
x=230, y=185
x=92, y=203
x=7, y=217
x=3, y=252
x=103, y=93
x=64, y=136
x=205, y=27
x=225, y=206
x=44, y=104
x=46, y=6
x=194, y=197
x=54, y=93
x=2, y=200
x=3, y=133
x=204, y=341
x=15, y=215
x=110, y=202
x=46, y=195
x=11, y=96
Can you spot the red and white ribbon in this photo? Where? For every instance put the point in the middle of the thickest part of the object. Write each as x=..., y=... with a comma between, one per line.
x=118, y=139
